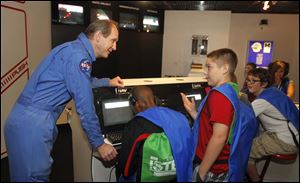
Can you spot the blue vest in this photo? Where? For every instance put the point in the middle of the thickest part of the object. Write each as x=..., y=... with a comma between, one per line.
x=178, y=132
x=244, y=130
x=282, y=103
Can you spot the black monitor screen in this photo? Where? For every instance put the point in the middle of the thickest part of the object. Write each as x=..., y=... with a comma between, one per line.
x=116, y=111
x=128, y=21
x=70, y=14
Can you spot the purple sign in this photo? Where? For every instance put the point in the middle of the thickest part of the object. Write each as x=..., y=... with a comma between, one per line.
x=260, y=53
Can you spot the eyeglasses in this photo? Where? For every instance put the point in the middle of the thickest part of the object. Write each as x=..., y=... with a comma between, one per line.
x=252, y=81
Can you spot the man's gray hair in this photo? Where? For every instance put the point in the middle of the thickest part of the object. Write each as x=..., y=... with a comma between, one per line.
x=100, y=25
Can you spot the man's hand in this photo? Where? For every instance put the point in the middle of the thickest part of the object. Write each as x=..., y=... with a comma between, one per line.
x=189, y=106
x=117, y=82
x=107, y=152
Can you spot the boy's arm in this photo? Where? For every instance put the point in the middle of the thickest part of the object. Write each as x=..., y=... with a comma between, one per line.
x=214, y=148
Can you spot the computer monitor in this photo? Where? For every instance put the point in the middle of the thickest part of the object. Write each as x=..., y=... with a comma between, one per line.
x=170, y=94
x=150, y=23
x=116, y=112
x=100, y=14
x=128, y=21
x=70, y=14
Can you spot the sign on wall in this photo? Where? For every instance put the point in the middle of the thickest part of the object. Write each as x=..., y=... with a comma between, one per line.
x=14, y=58
x=260, y=53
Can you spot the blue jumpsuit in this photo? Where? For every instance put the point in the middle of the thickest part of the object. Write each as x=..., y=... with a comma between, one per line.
x=30, y=130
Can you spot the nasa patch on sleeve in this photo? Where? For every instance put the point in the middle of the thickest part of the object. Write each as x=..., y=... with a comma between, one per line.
x=85, y=65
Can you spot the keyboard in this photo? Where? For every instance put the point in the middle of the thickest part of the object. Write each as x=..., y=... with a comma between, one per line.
x=114, y=137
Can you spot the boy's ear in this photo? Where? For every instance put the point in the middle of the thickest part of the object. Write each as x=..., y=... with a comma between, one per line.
x=225, y=68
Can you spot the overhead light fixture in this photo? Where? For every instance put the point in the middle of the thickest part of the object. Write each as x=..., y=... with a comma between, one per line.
x=200, y=6
x=274, y=2
x=266, y=5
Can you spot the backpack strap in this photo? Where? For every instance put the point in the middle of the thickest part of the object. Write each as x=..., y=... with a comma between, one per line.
x=137, y=140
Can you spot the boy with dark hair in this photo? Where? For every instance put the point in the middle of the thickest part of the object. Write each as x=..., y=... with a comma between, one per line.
x=275, y=111
x=163, y=122
x=220, y=124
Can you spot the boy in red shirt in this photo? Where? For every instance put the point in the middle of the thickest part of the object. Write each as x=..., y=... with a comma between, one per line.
x=216, y=116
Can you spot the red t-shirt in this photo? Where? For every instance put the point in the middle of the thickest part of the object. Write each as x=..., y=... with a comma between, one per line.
x=217, y=109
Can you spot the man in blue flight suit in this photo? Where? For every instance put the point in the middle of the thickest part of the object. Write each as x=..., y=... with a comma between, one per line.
x=65, y=74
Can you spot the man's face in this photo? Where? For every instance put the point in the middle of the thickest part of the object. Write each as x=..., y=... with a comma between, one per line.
x=104, y=46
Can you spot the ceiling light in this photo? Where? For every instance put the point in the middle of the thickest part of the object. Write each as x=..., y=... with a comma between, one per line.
x=200, y=6
x=266, y=5
x=274, y=2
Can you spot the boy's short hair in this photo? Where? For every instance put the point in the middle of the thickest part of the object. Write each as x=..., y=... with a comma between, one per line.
x=263, y=75
x=224, y=55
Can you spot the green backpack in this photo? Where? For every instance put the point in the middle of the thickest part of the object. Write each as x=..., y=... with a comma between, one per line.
x=158, y=164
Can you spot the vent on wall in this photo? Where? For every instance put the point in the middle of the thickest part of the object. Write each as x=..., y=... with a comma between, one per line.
x=263, y=22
